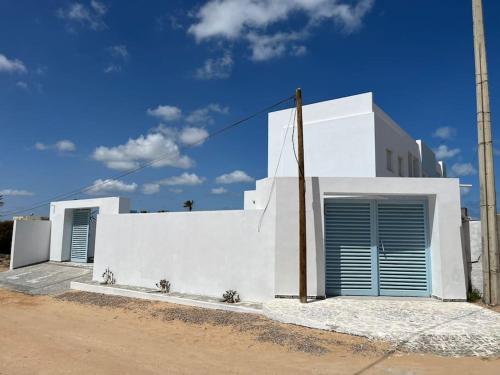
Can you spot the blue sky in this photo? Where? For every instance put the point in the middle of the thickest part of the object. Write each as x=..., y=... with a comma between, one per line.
x=91, y=88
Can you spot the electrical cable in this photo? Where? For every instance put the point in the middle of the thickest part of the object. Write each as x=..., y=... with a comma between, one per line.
x=147, y=164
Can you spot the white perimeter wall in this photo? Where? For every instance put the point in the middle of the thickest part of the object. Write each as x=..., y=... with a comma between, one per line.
x=61, y=217
x=198, y=252
x=476, y=265
x=30, y=242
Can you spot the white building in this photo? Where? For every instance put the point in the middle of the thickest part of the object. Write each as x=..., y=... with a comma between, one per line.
x=374, y=225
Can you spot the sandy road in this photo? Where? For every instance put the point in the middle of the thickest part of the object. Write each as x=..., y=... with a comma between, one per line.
x=82, y=334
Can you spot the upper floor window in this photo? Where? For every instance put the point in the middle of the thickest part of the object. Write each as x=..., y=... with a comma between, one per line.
x=410, y=165
x=388, y=157
x=400, y=166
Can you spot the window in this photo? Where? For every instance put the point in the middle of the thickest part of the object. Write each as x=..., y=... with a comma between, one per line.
x=400, y=166
x=410, y=165
x=416, y=167
x=388, y=156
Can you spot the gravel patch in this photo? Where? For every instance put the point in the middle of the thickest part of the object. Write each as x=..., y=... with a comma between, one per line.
x=293, y=338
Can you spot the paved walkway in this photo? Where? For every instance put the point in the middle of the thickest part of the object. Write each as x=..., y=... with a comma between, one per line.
x=45, y=278
x=443, y=328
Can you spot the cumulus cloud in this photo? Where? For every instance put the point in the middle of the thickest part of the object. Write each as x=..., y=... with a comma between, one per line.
x=89, y=15
x=444, y=152
x=463, y=169
x=250, y=20
x=219, y=190
x=157, y=148
x=234, y=177
x=445, y=132
x=193, y=136
x=62, y=146
x=15, y=192
x=203, y=115
x=101, y=186
x=119, y=55
x=185, y=179
x=216, y=68
x=11, y=66
x=165, y=112
x=150, y=188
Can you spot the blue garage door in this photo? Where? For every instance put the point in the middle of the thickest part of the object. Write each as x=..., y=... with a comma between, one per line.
x=376, y=248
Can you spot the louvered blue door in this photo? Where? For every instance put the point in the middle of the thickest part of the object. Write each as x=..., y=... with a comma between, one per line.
x=80, y=235
x=349, y=248
x=376, y=248
x=403, y=255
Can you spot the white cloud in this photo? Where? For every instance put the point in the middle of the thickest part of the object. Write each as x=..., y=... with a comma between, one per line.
x=112, y=68
x=202, y=115
x=463, y=169
x=150, y=188
x=106, y=186
x=443, y=152
x=65, y=146
x=22, y=85
x=234, y=177
x=15, y=192
x=216, y=68
x=250, y=20
x=62, y=146
x=165, y=112
x=193, y=136
x=119, y=51
x=175, y=190
x=465, y=190
x=143, y=149
x=11, y=66
x=185, y=179
x=445, y=132
x=219, y=190
x=91, y=15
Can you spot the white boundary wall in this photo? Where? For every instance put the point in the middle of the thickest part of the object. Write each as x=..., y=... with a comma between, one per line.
x=30, y=242
x=202, y=253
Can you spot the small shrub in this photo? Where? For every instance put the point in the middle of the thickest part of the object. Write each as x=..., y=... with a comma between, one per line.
x=474, y=295
x=231, y=296
x=108, y=277
x=164, y=286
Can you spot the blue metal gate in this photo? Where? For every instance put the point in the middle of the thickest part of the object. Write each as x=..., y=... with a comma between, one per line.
x=80, y=235
x=376, y=248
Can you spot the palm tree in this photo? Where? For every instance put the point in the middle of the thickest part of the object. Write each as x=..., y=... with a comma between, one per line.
x=189, y=205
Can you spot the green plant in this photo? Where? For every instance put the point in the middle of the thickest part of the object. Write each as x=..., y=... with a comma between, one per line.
x=473, y=295
x=164, y=286
x=231, y=296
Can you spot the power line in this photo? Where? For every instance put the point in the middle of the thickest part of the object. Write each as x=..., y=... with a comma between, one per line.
x=149, y=163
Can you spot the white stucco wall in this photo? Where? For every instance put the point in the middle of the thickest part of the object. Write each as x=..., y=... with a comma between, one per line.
x=30, y=242
x=338, y=139
x=61, y=216
x=203, y=253
x=443, y=196
x=476, y=266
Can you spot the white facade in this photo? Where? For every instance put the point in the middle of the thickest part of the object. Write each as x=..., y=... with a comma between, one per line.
x=347, y=137
x=353, y=150
x=30, y=242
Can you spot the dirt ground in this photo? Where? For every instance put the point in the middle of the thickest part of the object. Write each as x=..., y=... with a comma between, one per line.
x=84, y=333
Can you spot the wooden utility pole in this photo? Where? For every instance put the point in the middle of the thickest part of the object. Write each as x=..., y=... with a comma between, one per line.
x=302, y=201
x=490, y=254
